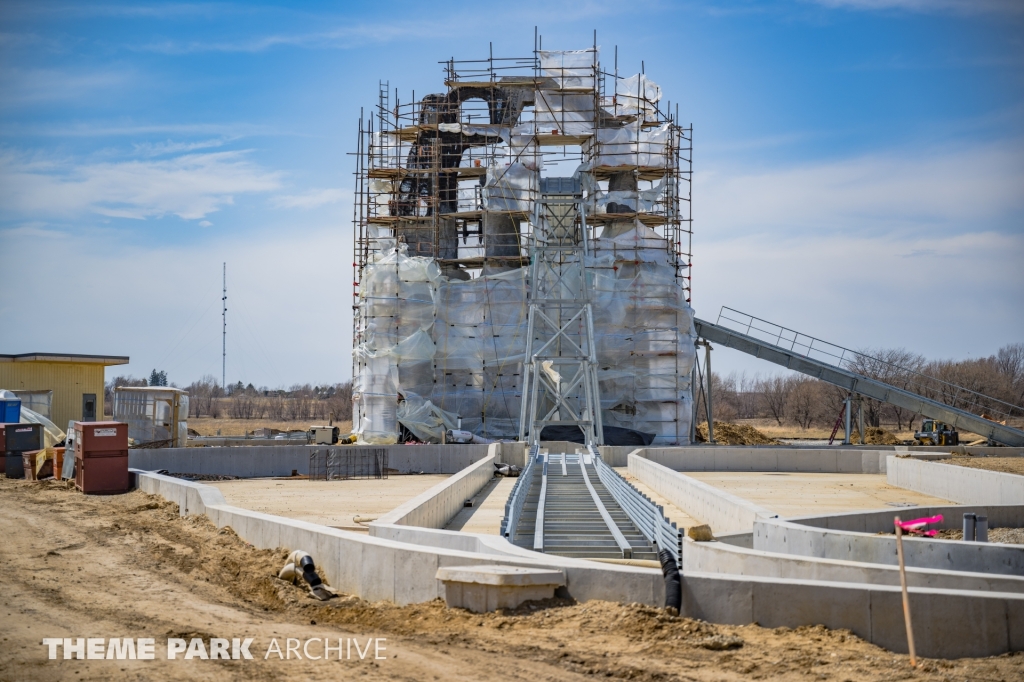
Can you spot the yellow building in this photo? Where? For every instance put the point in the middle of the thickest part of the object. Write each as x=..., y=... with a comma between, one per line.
x=75, y=380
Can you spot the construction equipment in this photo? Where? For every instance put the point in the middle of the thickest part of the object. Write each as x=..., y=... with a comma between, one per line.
x=934, y=432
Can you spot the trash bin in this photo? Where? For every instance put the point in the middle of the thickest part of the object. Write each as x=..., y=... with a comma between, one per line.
x=20, y=438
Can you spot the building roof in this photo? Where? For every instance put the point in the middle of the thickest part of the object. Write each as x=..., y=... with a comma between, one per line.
x=105, y=360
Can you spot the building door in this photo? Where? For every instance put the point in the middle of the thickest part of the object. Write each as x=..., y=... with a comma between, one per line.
x=88, y=407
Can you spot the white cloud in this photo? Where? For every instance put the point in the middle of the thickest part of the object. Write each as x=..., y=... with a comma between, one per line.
x=161, y=305
x=34, y=85
x=313, y=198
x=953, y=296
x=189, y=186
x=205, y=223
x=952, y=190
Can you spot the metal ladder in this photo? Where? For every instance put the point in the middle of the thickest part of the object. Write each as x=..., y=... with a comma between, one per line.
x=560, y=383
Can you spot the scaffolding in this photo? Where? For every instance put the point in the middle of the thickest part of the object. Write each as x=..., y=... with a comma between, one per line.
x=447, y=186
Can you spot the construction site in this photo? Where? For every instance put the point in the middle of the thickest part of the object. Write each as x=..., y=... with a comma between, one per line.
x=532, y=485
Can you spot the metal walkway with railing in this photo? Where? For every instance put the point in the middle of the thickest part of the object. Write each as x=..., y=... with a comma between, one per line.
x=561, y=506
x=920, y=393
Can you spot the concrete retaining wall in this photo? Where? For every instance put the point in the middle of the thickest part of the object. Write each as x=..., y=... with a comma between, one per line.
x=792, y=537
x=719, y=557
x=774, y=458
x=947, y=623
x=258, y=462
x=951, y=482
x=724, y=512
x=435, y=507
x=375, y=568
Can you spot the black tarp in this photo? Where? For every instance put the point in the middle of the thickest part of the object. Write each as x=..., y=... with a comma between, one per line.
x=613, y=435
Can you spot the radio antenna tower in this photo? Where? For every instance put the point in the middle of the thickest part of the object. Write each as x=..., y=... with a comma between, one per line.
x=224, y=332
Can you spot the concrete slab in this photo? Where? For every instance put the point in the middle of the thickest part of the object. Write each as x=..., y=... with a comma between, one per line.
x=489, y=508
x=803, y=494
x=331, y=503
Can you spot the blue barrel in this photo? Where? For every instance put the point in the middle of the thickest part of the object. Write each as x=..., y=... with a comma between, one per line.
x=10, y=410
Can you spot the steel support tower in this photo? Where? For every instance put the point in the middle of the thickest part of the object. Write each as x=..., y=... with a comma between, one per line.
x=560, y=382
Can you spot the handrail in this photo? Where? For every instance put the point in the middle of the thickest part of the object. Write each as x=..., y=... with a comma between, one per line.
x=517, y=498
x=620, y=539
x=538, y=526
x=648, y=517
x=844, y=358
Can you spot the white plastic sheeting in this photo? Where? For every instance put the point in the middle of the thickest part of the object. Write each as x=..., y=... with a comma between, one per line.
x=558, y=113
x=641, y=201
x=396, y=301
x=569, y=69
x=637, y=94
x=425, y=420
x=631, y=145
x=510, y=188
x=643, y=327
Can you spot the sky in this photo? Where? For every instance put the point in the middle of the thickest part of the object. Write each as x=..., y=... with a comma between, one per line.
x=859, y=167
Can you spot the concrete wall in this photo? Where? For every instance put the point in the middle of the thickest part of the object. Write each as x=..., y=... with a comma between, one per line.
x=724, y=512
x=719, y=557
x=783, y=459
x=375, y=568
x=435, y=507
x=256, y=462
x=790, y=537
x=951, y=482
x=947, y=623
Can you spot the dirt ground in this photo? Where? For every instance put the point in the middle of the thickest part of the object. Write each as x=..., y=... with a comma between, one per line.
x=207, y=426
x=1007, y=465
x=1008, y=536
x=129, y=566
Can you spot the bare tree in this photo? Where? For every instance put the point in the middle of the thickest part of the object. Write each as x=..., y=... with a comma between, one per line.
x=805, y=401
x=775, y=391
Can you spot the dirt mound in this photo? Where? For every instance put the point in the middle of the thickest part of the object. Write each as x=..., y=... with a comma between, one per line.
x=734, y=434
x=874, y=435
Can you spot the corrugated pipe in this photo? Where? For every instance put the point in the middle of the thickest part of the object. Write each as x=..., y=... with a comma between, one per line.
x=673, y=586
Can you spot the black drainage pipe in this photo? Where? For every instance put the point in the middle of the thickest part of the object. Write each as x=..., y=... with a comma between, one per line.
x=673, y=587
x=309, y=571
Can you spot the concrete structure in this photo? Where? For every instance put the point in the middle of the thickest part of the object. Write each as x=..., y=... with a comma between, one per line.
x=961, y=484
x=489, y=588
x=77, y=381
x=405, y=572
x=253, y=462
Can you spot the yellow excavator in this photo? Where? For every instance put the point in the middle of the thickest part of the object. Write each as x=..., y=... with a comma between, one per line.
x=934, y=432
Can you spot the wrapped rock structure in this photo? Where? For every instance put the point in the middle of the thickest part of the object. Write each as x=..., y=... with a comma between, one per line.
x=447, y=188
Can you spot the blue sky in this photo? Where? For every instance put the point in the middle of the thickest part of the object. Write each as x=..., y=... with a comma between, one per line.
x=859, y=166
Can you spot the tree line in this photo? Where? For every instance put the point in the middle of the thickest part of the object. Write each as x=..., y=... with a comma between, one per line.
x=807, y=402
x=300, y=402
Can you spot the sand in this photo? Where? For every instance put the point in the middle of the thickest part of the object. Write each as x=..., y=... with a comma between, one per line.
x=1006, y=465
x=331, y=503
x=129, y=566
